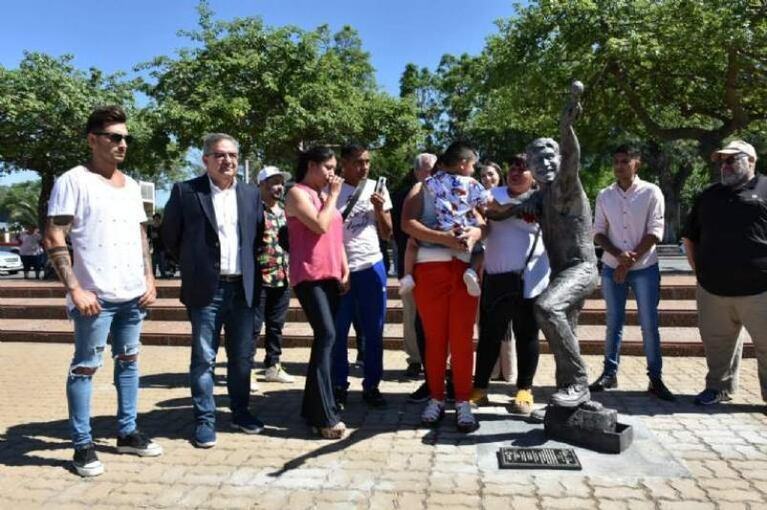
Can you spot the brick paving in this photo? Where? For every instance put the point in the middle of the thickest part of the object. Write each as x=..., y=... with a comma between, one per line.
x=386, y=463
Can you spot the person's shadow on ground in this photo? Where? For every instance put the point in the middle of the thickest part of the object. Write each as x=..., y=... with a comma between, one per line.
x=280, y=409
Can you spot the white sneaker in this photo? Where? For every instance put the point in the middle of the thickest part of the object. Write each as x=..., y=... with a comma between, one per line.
x=471, y=280
x=254, y=387
x=275, y=373
x=406, y=285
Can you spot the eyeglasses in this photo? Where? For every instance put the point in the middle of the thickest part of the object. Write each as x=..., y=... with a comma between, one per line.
x=222, y=155
x=115, y=137
x=732, y=159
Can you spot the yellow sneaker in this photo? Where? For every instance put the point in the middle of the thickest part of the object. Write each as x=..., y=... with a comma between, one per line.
x=478, y=397
x=523, y=402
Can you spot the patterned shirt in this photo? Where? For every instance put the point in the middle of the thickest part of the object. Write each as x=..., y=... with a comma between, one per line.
x=456, y=197
x=271, y=255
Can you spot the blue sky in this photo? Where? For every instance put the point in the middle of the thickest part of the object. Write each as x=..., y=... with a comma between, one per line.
x=117, y=35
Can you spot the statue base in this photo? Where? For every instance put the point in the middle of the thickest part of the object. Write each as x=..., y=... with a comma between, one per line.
x=589, y=425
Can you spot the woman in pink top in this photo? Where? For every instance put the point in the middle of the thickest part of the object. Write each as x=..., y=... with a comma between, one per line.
x=319, y=274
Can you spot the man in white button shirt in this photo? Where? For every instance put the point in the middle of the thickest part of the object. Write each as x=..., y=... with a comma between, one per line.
x=628, y=224
x=213, y=226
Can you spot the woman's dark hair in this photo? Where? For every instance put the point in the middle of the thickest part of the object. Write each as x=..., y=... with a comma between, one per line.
x=103, y=116
x=517, y=159
x=318, y=154
x=457, y=152
x=495, y=166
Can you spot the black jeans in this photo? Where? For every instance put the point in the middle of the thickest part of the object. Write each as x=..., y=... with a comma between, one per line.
x=158, y=262
x=497, y=308
x=31, y=263
x=272, y=309
x=319, y=299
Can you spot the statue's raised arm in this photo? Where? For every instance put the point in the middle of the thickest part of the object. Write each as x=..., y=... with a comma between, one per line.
x=570, y=149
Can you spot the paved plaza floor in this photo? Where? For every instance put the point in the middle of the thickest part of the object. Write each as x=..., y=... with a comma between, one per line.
x=685, y=457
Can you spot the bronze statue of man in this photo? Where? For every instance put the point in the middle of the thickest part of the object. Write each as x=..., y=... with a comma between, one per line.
x=565, y=218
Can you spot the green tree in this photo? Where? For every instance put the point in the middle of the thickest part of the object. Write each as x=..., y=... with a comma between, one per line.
x=669, y=72
x=44, y=105
x=276, y=89
x=18, y=202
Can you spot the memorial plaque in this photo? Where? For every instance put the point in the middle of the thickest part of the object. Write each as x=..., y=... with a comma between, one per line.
x=538, y=458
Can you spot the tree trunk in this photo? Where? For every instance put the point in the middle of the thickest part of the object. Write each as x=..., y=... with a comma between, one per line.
x=46, y=186
x=672, y=229
x=672, y=179
x=706, y=148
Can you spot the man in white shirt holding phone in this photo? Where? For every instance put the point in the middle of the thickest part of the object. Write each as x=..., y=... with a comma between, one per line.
x=365, y=206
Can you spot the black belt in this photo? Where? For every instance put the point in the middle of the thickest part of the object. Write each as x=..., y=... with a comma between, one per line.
x=229, y=278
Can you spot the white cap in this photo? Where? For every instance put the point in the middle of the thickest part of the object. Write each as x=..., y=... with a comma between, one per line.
x=735, y=147
x=271, y=171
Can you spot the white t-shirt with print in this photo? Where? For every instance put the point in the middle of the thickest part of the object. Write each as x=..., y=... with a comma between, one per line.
x=105, y=235
x=360, y=234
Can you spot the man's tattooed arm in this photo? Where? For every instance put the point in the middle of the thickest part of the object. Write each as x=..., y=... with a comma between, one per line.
x=56, y=246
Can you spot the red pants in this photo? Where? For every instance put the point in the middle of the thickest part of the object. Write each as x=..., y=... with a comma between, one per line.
x=448, y=314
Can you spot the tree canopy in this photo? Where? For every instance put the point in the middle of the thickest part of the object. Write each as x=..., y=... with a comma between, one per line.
x=44, y=105
x=276, y=89
x=678, y=77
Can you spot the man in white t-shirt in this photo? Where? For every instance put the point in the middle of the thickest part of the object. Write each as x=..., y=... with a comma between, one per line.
x=365, y=219
x=110, y=284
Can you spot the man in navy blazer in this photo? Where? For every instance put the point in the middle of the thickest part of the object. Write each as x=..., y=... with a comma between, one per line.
x=212, y=226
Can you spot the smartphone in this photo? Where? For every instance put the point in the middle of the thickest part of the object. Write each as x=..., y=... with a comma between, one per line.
x=380, y=185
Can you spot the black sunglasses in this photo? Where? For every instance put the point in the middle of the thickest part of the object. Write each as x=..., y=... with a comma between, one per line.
x=115, y=137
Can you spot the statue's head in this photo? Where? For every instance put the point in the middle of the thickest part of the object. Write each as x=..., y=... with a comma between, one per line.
x=543, y=159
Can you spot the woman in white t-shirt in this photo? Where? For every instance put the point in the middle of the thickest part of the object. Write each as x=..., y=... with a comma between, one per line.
x=516, y=272
x=492, y=176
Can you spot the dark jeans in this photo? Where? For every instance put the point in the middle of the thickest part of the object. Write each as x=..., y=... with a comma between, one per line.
x=31, y=263
x=498, y=307
x=158, y=262
x=319, y=299
x=228, y=309
x=272, y=309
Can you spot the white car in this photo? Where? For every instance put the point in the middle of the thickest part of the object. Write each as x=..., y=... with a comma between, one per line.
x=10, y=261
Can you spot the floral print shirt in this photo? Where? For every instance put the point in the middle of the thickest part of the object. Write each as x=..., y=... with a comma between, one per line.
x=456, y=197
x=272, y=258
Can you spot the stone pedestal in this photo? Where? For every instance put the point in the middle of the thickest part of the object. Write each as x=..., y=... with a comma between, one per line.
x=589, y=425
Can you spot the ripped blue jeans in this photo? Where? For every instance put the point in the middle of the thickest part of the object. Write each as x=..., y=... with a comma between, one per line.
x=121, y=322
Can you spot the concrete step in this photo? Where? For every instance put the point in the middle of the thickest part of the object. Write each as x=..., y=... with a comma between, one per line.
x=678, y=313
x=672, y=287
x=674, y=341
